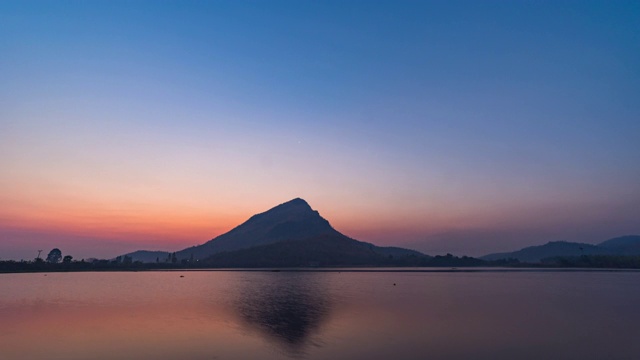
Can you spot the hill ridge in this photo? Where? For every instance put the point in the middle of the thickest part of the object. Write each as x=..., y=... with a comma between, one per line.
x=622, y=245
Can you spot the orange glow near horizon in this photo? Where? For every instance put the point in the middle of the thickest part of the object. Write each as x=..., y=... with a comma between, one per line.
x=101, y=226
x=192, y=222
x=127, y=224
x=96, y=216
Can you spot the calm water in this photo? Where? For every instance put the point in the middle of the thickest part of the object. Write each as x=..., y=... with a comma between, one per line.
x=320, y=315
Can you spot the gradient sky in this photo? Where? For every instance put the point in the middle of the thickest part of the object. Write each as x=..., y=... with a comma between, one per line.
x=446, y=126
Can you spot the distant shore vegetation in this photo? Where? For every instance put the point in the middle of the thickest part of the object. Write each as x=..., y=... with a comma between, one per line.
x=55, y=262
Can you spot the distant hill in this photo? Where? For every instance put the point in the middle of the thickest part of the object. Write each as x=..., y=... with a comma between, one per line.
x=623, y=245
x=290, y=234
x=148, y=256
x=626, y=245
x=554, y=248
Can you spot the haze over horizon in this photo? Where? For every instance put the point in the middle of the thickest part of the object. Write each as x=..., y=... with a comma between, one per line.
x=444, y=126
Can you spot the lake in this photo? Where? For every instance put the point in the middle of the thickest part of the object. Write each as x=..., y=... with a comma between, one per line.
x=321, y=315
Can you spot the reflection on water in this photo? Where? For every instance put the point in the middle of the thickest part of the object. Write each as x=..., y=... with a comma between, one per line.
x=287, y=308
x=283, y=315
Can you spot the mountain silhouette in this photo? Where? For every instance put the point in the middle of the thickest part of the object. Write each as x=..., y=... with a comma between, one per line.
x=293, y=220
x=290, y=234
x=533, y=254
x=624, y=245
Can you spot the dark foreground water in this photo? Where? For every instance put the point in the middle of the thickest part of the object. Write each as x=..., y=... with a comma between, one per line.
x=320, y=315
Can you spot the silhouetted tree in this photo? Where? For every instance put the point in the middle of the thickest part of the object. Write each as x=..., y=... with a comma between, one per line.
x=67, y=259
x=54, y=256
x=174, y=259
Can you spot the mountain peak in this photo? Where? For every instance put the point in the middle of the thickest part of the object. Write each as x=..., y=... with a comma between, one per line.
x=296, y=207
x=297, y=202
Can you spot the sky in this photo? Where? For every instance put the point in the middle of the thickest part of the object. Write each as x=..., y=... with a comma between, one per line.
x=466, y=127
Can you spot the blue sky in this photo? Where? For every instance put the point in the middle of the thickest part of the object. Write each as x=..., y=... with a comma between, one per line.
x=448, y=126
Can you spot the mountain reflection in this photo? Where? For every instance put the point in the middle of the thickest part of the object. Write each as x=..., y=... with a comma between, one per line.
x=286, y=307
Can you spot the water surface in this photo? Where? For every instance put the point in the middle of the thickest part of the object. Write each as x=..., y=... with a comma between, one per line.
x=320, y=315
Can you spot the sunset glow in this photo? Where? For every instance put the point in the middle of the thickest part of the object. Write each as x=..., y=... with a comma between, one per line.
x=127, y=126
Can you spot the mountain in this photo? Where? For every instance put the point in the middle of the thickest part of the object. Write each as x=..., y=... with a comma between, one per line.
x=290, y=234
x=625, y=245
x=534, y=254
x=292, y=220
x=323, y=250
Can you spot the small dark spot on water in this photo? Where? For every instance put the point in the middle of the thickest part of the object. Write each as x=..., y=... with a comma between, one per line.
x=394, y=284
x=181, y=275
